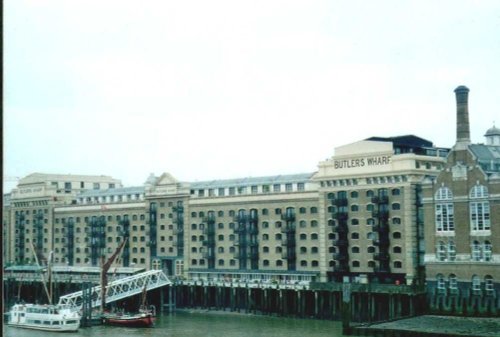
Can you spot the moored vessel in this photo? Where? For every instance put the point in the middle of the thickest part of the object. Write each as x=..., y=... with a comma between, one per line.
x=143, y=319
x=44, y=317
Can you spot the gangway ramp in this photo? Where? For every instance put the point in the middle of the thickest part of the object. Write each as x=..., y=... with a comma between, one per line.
x=119, y=289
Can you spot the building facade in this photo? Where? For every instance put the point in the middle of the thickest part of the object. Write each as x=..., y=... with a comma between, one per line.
x=462, y=217
x=358, y=216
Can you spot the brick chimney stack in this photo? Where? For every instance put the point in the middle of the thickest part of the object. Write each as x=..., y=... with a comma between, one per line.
x=463, y=129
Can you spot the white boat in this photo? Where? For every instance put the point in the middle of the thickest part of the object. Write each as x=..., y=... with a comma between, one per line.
x=44, y=317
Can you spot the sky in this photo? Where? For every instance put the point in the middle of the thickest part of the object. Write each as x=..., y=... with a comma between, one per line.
x=230, y=89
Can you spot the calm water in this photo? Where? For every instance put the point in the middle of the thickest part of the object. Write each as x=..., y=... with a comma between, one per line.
x=212, y=324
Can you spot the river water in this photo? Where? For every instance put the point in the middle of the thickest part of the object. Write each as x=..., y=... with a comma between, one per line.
x=206, y=324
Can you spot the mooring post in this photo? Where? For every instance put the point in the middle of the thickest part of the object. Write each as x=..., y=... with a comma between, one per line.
x=346, y=307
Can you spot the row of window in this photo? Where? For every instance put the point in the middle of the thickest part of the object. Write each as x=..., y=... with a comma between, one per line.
x=480, y=251
x=110, y=198
x=368, y=193
x=452, y=284
x=479, y=209
x=253, y=189
x=368, y=181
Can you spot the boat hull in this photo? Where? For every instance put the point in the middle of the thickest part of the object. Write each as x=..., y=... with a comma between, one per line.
x=66, y=328
x=135, y=321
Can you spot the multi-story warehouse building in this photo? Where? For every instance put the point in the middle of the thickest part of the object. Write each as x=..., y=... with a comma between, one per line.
x=358, y=216
x=29, y=214
x=462, y=217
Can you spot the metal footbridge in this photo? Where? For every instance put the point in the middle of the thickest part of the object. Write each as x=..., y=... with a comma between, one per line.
x=118, y=289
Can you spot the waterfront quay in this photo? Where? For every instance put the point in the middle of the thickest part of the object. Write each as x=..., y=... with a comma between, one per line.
x=367, y=302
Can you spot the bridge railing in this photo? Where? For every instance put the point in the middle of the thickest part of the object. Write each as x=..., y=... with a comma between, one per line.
x=118, y=289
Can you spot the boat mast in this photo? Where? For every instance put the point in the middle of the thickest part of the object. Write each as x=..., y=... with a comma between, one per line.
x=49, y=297
x=104, y=270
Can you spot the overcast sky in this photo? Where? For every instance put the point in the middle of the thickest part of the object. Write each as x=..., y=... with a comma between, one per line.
x=224, y=89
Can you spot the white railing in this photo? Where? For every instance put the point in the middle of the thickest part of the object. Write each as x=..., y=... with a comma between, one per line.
x=119, y=289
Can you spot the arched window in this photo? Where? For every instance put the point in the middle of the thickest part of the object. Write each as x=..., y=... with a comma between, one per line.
x=479, y=209
x=354, y=208
x=444, y=210
x=355, y=264
x=396, y=206
x=370, y=249
x=396, y=250
x=354, y=222
x=396, y=235
x=303, y=263
x=396, y=221
x=398, y=264
x=221, y=262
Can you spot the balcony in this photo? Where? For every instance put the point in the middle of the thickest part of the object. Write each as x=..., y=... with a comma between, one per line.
x=381, y=199
x=241, y=218
x=239, y=229
x=341, y=215
x=381, y=242
x=382, y=228
x=178, y=231
x=288, y=255
x=208, y=242
x=381, y=256
x=178, y=209
x=339, y=202
x=340, y=257
x=210, y=219
x=382, y=269
x=288, y=242
x=209, y=230
x=381, y=214
x=253, y=230
x=340, y=243
x=288, y=216
x=341, y=228
x=288, y=229
x=240, y=255
x=253, y=243
x=178, y=243
x=341, y=268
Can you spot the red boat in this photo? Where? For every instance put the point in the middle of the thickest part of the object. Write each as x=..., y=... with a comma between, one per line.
x=142, y=319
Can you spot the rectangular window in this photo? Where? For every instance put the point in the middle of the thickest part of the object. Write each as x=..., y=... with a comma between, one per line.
x=231, y=191
x=254, y=190
x=211, y=192
x=480, y=215
x=288, y=187
x=276, y=188
x=301, y=187
x=221, y=192
x=97, y=186
x=265, y=188
x=444, y=217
